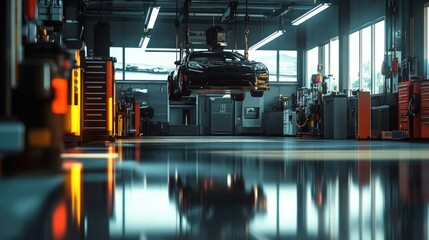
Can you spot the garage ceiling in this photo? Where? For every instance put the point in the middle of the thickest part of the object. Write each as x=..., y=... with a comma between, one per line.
x=129, y=16
x=199, y=9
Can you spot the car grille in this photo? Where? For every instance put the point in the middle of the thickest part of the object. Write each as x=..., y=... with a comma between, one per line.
x=231, y=69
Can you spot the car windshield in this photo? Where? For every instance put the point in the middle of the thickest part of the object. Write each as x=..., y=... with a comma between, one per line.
x=209, y=57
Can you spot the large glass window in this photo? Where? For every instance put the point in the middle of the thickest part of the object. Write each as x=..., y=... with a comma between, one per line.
x=378, y=57
x=366, y=59
x=267, y=57
x=287, y=66
x=366, y=55
x=334, y=66
x=148, y=65
x=354, y=63
x=156, y=64
x=326, y=60
x=116, y=52
x=312, y=62
x=331, y=64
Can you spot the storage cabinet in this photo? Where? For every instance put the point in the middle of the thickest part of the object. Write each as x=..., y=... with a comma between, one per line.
x=424, y=109
x=409, y=114
x=98, y=98
x=403, y=99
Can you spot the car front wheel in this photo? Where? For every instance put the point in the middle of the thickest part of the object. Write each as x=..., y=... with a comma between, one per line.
x=257, y=93
x=184, y=90
x=237, y=97
x=171, y=95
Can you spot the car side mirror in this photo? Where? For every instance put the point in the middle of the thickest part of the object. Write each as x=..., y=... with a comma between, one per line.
x=177, y=62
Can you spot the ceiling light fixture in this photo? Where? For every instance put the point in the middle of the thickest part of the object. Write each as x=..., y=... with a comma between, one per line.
x=154, y=11
x=319, y=8
x=144, y=41
x=268, y=39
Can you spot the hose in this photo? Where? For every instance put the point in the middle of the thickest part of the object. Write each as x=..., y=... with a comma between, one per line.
x=298, y=117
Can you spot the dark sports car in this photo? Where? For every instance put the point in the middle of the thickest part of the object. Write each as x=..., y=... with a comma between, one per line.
x=217, y=72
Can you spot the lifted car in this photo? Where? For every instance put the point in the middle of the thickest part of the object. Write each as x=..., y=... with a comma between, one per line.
x=217, y=72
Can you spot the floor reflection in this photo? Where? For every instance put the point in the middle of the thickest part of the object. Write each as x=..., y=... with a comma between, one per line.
x=213, y=188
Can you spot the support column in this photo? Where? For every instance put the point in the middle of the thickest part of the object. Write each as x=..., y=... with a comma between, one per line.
x=10, y=24
x=344, y=28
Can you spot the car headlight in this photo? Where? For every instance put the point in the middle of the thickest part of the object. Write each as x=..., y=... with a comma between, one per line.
x=195, y=65
x=260, y=67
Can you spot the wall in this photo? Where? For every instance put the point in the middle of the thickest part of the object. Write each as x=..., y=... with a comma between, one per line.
x=340, y=20
x=322, y=27
x=363, y=12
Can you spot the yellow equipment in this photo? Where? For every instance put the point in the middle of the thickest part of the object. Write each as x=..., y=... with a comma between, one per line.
x=73, y=115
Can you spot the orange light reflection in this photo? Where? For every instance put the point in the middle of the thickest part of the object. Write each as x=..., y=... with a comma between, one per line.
x=74, y=170
x=111, y=180
x=59, y=221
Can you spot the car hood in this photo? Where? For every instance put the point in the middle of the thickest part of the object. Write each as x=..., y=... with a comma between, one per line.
x=219, y=64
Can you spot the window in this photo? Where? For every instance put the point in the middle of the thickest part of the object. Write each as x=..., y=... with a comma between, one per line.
x=148, y=65
x=312, y=62
x=331, y=64
x=116, y=52
x=287, y=70
x=366, y=55
x=326, y=60
x=156, y=64
x=334, y=66
x=366, y=68
x=354, y=63
x=287, y=66
x=267, y=57
x=379, y=47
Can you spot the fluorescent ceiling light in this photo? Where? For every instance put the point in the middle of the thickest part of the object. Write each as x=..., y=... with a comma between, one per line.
x=153, y=16
x=144, y=41
x=311, y=13
x=266, y=40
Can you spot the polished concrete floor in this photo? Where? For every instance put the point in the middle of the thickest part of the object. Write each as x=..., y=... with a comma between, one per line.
x=224, y=187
